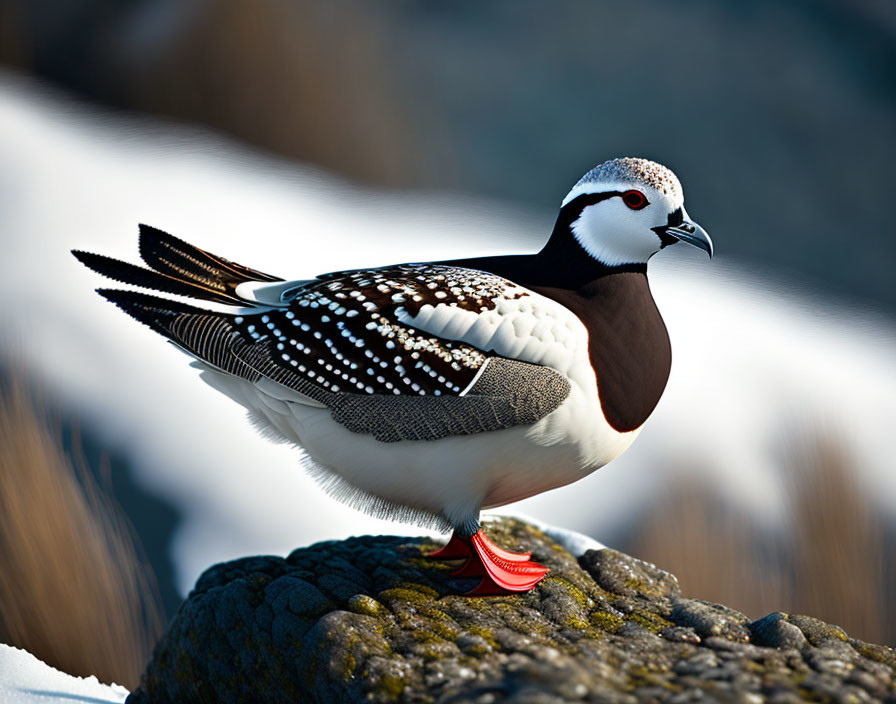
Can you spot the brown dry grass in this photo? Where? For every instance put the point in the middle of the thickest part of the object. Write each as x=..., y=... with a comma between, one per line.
x=831, y=564
x=73, y=590
x=838, y=542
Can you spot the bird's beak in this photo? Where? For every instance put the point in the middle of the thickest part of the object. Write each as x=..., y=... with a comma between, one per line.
x=690, y=232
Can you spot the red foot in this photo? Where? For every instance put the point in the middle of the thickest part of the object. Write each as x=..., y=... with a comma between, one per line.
x=502, y=553
x=502, y=572
x=454, y=549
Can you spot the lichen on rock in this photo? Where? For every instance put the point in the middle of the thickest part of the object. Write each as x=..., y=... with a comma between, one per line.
x=370, y=619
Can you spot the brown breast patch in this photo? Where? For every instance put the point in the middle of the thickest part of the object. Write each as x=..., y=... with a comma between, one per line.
x=627, y=342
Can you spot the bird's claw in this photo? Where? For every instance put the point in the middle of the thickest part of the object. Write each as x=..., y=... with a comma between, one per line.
x=502, y=571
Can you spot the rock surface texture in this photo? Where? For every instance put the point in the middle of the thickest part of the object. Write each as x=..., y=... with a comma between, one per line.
x=371, y=620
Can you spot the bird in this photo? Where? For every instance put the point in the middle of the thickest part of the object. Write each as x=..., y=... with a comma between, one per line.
x=426, y=392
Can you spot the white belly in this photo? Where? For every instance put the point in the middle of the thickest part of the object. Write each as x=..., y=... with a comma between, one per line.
x=440, y=482
x=452, y=478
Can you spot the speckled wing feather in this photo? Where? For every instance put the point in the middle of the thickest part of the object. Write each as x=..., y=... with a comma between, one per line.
x=345, y=329
x=339, y=342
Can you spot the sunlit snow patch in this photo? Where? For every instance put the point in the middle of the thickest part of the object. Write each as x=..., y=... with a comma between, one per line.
x=26, y=680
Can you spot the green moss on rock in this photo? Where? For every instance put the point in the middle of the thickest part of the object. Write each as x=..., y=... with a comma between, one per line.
x=605, y=621
x=366, y=605
x=370, y=619
x=649, y=620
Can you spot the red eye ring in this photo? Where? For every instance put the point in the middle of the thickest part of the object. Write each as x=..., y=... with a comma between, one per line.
x=635, y=200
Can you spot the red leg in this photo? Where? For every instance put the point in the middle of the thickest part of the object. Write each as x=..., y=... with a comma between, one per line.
x=503, y=576
x=472, y=567
x=502, y=571
x=456, y=548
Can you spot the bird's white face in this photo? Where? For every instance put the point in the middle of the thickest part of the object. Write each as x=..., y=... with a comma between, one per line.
x=626, y=221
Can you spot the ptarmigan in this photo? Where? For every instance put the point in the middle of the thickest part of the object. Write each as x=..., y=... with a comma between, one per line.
x=428, y=391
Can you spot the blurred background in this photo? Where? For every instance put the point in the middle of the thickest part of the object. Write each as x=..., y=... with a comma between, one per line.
x=299, y=136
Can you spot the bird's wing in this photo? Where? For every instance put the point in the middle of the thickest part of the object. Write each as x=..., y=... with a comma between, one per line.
x=346, y=340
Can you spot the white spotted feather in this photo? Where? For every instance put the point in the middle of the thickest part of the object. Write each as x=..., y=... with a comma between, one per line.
x=454, y=477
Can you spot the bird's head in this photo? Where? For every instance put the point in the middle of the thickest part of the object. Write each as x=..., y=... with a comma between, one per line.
x=625, y=210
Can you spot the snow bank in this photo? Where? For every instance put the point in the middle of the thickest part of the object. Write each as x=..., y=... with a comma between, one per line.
x=757, y=369
x=26, y=680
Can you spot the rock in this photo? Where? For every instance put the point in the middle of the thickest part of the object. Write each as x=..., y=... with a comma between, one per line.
x=776, y=631
x=371, y=620
x=710, y=619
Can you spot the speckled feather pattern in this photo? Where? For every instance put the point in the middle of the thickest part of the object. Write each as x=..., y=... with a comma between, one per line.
x=343, y=331
x=633, y=170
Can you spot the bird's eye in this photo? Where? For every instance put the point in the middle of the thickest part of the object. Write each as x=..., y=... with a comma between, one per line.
x=635, y=200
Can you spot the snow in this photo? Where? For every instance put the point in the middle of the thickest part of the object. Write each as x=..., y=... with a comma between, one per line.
x=575, y=543
x=758, y=371
x=26, y=680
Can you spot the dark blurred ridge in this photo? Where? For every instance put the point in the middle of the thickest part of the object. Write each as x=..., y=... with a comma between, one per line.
x=779, y=115
x=298, y=78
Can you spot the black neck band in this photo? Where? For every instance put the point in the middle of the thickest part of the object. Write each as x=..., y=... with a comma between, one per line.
x=565, y=260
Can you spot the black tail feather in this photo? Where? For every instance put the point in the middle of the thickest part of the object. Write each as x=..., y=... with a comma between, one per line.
x=178, y=268
x=205, y=334
x=146, y=278
x=211, y=337
x=181, y=269
x=158, y=313
x=169, y=255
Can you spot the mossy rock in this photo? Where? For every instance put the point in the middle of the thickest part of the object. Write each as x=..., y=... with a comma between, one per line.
x=369, y=619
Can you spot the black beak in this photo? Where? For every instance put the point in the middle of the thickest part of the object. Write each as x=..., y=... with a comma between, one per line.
x=688, y=231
